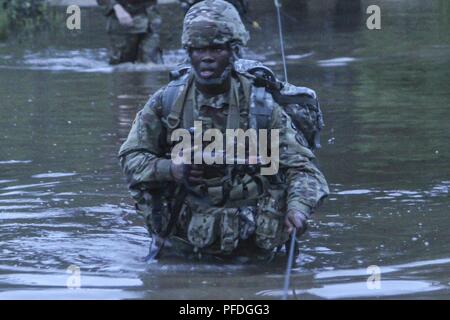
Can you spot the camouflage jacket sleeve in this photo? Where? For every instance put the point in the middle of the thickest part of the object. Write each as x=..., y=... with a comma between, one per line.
x=107, y=6
x=142, y=156
x=306, y=185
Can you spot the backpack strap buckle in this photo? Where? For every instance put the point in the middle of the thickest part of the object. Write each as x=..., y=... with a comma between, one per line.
x=172, y=121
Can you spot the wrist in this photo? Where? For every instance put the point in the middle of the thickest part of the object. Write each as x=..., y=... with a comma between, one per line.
x=296, y=206
x=164, y=170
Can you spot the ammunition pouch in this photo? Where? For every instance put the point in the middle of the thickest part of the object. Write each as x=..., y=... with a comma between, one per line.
x=229, y=230
x=270, y=217
x=227, y=192
x=203, y=227
x=222, y=227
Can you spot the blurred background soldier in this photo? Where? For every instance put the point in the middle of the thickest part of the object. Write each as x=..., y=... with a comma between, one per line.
x=133, y=27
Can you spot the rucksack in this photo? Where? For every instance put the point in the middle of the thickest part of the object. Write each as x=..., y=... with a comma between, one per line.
x=300, y=103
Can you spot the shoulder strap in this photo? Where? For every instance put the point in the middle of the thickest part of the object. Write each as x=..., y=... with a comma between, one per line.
x=260, y=101
x=234, y=117
x=175, y=94
x=173, y=101
x=261, y=107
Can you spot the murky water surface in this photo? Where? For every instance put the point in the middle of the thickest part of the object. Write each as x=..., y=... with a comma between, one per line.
x=385, y=95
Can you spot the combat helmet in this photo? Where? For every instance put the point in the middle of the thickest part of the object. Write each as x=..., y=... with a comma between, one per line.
x=213, y=22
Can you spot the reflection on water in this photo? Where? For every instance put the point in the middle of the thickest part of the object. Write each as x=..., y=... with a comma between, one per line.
x=360, y=290
x=336, y=62
x=87, y=60
x=63, y=200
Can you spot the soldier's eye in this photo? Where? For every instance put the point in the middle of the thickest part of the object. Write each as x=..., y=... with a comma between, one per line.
x=198, y=49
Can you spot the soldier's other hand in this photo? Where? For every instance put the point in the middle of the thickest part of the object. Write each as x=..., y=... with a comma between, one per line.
x=182, y=172
x=297, y=219
x=125, y=19
x=195, y=174
x=178, y=171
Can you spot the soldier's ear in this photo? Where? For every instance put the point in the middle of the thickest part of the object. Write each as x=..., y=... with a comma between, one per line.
x=235, y=52
x=188, y=58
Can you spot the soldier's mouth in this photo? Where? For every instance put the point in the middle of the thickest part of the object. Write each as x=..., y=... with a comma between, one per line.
x=207, y=73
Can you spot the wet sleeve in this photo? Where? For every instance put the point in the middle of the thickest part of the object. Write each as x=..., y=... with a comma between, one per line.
x=107, y=6
x=142, y=155
x=306, y=185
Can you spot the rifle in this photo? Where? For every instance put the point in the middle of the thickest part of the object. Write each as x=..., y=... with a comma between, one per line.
x=159, y=235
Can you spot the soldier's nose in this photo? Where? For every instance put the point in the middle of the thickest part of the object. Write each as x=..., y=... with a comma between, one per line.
x=208, y=58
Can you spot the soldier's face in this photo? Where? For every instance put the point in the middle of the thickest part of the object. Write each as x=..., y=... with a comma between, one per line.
x=210, y=62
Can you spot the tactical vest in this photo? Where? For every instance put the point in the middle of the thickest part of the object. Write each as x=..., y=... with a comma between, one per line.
x=261, y=89
x=226, y=190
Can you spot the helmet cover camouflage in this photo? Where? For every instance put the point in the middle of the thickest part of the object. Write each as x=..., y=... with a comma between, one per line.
x=213, y=22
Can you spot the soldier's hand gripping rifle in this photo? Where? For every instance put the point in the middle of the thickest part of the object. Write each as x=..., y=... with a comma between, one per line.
x=161, y=230
x=183, y=175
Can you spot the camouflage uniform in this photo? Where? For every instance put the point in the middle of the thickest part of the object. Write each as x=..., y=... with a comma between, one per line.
x=139, y=42
x=237, y=212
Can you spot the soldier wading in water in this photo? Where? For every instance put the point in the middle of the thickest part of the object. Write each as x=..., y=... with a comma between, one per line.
x=227, y=210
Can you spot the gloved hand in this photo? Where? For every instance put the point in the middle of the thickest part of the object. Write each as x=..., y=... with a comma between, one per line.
x=297, y=219
x=125, y=19
x=187, y=172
